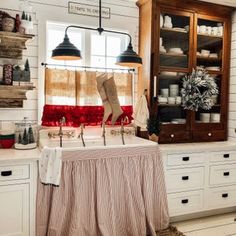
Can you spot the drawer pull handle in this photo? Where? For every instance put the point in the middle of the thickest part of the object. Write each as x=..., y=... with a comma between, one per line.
x=185, y=177
x=226, y=155
x=226, y=173
x=225, y=195
x=184, y=201
x=185, y=158
x=172, y=135
x=6, y=173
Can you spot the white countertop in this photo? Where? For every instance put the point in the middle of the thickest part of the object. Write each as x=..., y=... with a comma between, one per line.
x=18, y=155
x=198, y=147
x=13, y=154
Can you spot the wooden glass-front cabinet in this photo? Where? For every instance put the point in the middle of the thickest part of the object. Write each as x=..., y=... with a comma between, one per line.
x=176, y=37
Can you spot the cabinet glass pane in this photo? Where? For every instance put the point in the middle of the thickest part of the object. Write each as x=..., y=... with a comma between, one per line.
x=169, y=100
x=209, y=44
x=174, y=41
x=214, y=114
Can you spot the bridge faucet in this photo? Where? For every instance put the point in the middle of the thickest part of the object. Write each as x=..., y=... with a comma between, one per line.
x=122, y=129
x=60, y=134
x=104, y=133
x=81, y=135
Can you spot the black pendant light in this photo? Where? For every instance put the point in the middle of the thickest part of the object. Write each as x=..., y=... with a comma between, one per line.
x=129, y=58
x=67, y=51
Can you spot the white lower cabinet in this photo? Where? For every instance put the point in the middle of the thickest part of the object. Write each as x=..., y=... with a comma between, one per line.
x=18, y=182
x=14, y=213
x=200, y=181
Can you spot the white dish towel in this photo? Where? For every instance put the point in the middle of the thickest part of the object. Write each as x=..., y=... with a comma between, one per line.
x=141, y=113
x=50, y=164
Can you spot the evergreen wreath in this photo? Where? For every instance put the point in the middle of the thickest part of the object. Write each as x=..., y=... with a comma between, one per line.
x=197, y=91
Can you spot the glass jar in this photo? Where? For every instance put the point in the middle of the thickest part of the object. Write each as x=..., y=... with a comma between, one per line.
x=26, y=134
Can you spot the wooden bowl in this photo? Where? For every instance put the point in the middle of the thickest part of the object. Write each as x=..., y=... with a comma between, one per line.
x=8, y=24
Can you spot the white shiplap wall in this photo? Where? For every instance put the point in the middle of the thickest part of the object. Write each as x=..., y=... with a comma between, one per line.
x=232, y=95
x=30, y=108
x=124, y=16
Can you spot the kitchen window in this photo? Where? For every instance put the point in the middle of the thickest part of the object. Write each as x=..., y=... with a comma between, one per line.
x=73, y=86
x=97, y=50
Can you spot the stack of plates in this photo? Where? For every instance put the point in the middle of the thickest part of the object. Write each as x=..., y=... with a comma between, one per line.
x=179, y=29
x=178, y=121
x=217, y=68
x=176, y=50
x=213, y=55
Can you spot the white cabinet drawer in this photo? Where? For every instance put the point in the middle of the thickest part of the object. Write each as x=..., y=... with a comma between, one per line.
x=185, y=202
x=184, y=179
x=223, y=174
x=185, y=159
x=14, y=172
x=222, y=197
x=223, y=156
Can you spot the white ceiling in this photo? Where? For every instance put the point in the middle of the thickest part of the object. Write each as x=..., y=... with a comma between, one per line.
x=223, y=2
x=231, y=3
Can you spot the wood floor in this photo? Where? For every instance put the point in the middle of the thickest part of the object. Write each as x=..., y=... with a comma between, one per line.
x=220, y=225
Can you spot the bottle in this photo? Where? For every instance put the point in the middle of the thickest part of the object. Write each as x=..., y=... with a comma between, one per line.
x=18, y=22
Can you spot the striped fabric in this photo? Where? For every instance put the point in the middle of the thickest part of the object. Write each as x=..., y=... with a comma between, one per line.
x=108, y=192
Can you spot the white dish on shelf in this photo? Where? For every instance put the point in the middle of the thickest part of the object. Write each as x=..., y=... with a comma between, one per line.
x=213, y=55
x=217, y=68
x=179, y=29
x=186, y=28
x=205, y=52
x=162, y=100
x=204, y=55
x=171, y=100
x=174, y=122
x=169, y=73
x=176, y=50
x=180, y=120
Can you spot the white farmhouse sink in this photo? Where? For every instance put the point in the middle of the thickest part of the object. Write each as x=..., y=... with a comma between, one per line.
x=111, y=142
x=93, y=140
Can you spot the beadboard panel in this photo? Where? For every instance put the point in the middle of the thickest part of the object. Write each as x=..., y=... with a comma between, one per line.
x=233, y=53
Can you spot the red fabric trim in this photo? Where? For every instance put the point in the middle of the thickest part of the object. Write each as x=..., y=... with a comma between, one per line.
x=75, y=115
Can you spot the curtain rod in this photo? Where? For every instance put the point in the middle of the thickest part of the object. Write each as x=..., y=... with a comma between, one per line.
x=87, y=67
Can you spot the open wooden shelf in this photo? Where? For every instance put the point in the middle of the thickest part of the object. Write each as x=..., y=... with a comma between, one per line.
x=210, y=36
x=171, y=54
x=12, y=44
x=168, y=105
x=201, y=58
x=13, y=96
x=171, y=30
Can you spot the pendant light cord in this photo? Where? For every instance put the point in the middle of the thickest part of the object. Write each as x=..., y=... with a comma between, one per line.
x=99, y=29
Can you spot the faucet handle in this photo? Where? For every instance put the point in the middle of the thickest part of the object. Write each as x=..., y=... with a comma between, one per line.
x=103, y=128
x=63, y=120
x=82, y=127
x=124, y=120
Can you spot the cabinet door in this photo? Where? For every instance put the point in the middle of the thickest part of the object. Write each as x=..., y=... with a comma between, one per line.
x=175, y=39
x=211, y=54
x=174, y=61
x=14, y=213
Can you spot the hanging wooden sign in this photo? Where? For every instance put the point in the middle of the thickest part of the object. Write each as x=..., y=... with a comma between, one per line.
x=87, y=10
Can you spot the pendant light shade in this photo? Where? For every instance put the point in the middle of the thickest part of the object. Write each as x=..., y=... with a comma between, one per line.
x=129, y=58
x=66, y=51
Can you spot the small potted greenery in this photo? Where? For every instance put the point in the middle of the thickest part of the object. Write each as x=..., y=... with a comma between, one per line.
x=153, y=127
